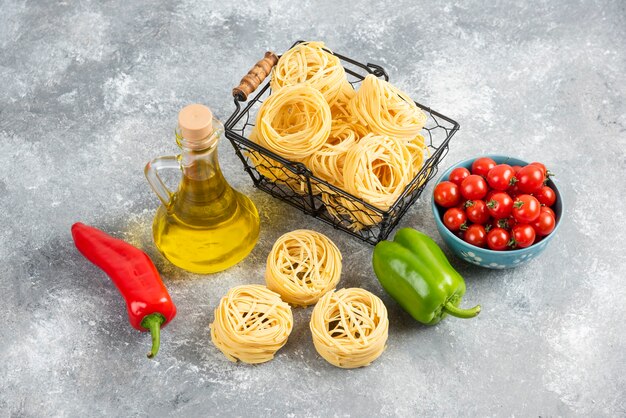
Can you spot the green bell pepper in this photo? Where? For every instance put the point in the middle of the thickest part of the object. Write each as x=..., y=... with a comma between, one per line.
x=416, y=273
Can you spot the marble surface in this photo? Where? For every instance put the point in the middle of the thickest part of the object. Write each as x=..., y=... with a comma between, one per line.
x=89, y=92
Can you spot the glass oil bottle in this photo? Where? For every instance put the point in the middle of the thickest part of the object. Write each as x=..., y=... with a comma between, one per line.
x=205, y=226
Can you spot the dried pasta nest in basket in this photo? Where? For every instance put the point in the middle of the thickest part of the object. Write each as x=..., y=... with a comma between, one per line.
x=294, y=122
x=363, y=143
x=251, y=324
x=327, y=163
x=302, y=266
x=312, y=64
x=377, y=170
x=274, y=170
x=349, y=327
x=386, y=110
x=356, y=215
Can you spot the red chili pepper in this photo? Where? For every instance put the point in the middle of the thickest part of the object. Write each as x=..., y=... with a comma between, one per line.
x=147, y=301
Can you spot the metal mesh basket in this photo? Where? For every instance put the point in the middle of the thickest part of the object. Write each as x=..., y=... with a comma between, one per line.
x=294, y=183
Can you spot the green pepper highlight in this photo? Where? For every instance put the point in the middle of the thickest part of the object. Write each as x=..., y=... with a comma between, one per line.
x=416, y=273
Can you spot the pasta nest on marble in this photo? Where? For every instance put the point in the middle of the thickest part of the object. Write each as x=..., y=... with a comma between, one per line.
x=251, y=324
x=302, y=266
x=349, y=327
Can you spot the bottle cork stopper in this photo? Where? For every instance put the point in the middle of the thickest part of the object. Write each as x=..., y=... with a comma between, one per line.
x=195, y=121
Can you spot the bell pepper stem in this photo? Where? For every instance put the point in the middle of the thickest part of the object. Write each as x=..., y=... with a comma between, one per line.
x=453, y=310
x=153, y=324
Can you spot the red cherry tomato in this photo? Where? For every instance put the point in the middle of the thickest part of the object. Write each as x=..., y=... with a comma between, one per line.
x=514, y=190
x=454, y=218
x=506, y=223
x=547, y=209
x=447, y=194
x=523, y=235
x=526, y=208
x=516, y=168
x=481, y=166
x=458, y=175
x=498, y=239
x=474, y=187
x=476, y=211
x=501, y=177
x=544, y=224
x=476, y=235
x=546, y=196
x=546, y=172
x=500, y=205
x=530, y=179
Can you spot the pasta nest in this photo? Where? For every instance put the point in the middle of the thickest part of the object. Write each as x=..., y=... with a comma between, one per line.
x=377, y=169
x=274, y=170
x=302, y=266
x=386, y=110
x=349, y=327
x=327, y=163
x=251, y=324
x=294, y=122
x=311, y=63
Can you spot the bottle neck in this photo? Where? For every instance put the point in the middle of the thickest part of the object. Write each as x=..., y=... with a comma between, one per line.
x=199, y=157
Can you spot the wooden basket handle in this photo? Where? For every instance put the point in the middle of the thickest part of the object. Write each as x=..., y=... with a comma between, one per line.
x=255, y=76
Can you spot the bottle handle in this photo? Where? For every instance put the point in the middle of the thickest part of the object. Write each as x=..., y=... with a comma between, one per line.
x=152, y=175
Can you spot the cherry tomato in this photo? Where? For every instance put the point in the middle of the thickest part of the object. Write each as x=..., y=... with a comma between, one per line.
x=498, y=239
x=516, y=168
x=546, y=196
x=476, y=211
x=481, y=166
x=447, y=194
x=474, y=187
x=547, y=209
x=458, y=175
x=544, y=224
x=454, y=218
x=546, y=172
x=526, y=208
x=500, y=205
x=476, y=235
x=523, y=235
x=514, y=190
x=506, y=223
x=530, y=179
x=501, y=177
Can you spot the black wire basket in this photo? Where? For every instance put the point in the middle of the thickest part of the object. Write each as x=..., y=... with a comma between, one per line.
x=293, y=183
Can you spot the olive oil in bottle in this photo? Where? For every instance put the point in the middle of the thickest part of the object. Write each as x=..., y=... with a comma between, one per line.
x=205, y=226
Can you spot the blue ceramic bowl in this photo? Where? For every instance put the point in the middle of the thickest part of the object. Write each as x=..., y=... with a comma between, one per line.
x=484, y=257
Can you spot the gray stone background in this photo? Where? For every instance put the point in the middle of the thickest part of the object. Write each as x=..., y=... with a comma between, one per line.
x=89, y=92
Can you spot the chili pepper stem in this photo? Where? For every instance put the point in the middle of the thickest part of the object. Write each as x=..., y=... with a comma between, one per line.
x=453, y=310
x=153, y=323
